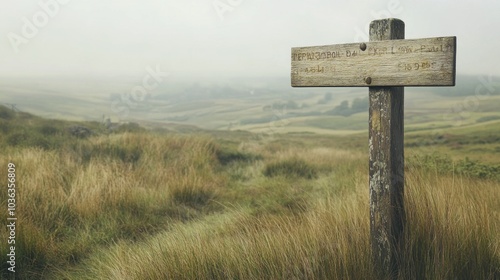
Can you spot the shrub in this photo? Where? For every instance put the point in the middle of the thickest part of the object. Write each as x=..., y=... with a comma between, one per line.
x=48, y=129
x=17, y=139
x=195, y=197
x=227, y=156
x=467, y=167
x=80, y=131
x=127, y=154
x=32, y=138
x=293, y=167
x=477, y=169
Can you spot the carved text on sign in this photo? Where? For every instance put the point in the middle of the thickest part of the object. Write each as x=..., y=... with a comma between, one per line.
x=415, y=62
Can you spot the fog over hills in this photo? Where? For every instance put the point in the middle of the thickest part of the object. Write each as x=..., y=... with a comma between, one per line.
x=221, y=64
x=232, y=103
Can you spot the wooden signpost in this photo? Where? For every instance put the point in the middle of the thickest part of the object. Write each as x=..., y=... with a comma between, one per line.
x=385, y=64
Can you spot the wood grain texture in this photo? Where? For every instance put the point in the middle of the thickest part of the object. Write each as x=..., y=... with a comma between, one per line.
x=386, y=138
x=415, y=62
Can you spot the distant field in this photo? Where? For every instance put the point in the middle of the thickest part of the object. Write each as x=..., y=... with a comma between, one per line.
x=252, y=105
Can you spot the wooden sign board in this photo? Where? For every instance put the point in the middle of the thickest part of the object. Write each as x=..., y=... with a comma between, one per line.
x=414, y=62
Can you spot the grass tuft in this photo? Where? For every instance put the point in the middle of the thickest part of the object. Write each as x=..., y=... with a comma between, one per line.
x=293, y=167
x=227, y=156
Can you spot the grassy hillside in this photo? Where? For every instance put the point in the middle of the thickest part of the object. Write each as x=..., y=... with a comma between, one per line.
x=157, y=204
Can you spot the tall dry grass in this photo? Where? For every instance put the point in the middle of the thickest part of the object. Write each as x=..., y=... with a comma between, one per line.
x=453, y=230
x=145, y=206
x=107, y=188
x=452, y=233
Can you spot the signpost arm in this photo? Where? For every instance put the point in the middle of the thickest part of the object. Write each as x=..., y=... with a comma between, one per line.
x=386, y=162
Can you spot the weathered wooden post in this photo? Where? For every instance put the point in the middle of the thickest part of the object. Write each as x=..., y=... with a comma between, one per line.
x=386, y=137
x=385, y=64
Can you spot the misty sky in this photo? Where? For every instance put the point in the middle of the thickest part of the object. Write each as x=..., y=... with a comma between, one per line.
x=222, y=37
